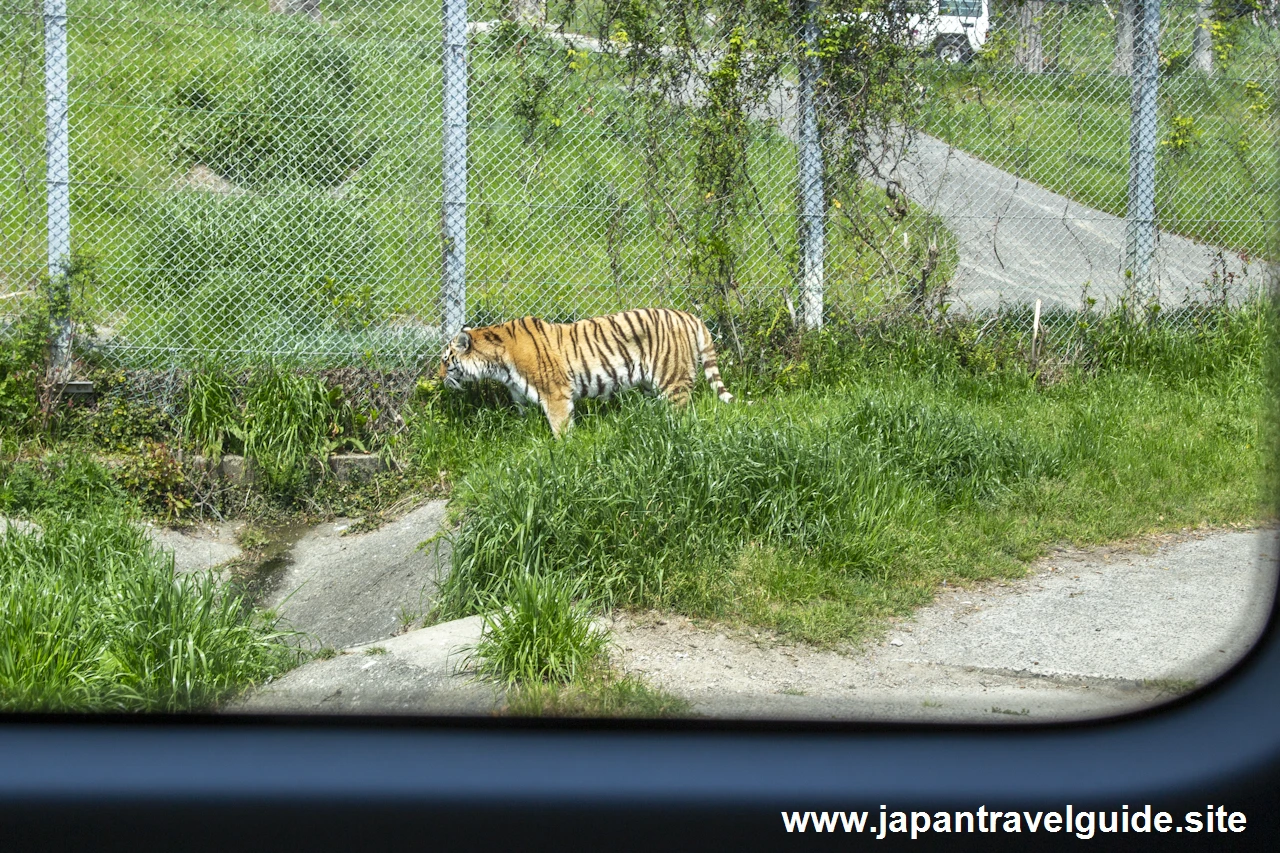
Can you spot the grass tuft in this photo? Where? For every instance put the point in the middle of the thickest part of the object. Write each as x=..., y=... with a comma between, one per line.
x=538, y=632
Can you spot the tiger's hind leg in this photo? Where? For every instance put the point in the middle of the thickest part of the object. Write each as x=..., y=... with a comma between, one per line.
x=679, y=388
x=679, y=392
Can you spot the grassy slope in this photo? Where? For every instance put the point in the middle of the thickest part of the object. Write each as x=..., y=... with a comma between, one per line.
x=94, y=619
x=566, y=221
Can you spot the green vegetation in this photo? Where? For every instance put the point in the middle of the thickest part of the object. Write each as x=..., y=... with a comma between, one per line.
x=63, y=484
x=599, y=694
x=912, y=458
x=541, y=644
x=286, y=423
x=95, y=619
x=291, y=420
x=859, y=468
x=1068, y=129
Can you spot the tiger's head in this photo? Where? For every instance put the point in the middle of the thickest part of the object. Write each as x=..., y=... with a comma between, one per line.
x=468, y=358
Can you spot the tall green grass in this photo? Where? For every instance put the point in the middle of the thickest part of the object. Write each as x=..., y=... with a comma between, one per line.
x=658, y=509
x=538, y=630
x=95, y=620
x=285, y=421
x=62, y=483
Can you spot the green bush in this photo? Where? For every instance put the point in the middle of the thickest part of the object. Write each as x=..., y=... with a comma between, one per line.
x=211, y=417
x=248, y=272
x=22, y=354
x=292, y=421
x=25, y=340
x=277, y=110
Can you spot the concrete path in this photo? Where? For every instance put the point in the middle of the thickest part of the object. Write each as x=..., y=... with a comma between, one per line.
x=1086, y=634
x=415, y=673
x=199, y=547
x=338, y=590
x=344, y=590
x=1019, y=242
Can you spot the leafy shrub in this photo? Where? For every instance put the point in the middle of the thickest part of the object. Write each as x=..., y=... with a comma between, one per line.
x=156, y=479
x=22, y=353
x=25, y=341
x=123, y=418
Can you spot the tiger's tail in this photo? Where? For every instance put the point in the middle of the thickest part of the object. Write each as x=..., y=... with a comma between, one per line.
x=707, y=352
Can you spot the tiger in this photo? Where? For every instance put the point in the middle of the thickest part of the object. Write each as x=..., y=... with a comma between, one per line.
x=554, y=364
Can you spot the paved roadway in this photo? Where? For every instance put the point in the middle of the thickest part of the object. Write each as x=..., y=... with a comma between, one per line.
x=1020, y=242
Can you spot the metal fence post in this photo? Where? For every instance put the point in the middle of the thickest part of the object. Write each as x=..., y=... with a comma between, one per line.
x=57, y=179
x=455, y=165
x=813, y=219
x=1140, y=237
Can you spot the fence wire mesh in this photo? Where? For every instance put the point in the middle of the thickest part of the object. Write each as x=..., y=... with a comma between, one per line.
x=254, y=178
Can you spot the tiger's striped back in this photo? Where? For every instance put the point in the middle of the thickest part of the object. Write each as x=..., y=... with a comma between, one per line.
x=554, y=364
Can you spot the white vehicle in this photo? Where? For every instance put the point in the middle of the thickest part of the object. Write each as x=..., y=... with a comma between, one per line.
x=956, y=30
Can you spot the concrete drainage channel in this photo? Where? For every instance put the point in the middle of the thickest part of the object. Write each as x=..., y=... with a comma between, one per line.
x=1085, y=634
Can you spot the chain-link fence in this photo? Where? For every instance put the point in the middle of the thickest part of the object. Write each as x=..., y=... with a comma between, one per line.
x=336, y=179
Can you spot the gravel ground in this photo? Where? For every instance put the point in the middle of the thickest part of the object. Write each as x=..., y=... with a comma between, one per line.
x=1087, y=633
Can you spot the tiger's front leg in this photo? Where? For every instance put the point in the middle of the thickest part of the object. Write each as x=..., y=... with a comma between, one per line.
x=559, y=414
x=519, y=399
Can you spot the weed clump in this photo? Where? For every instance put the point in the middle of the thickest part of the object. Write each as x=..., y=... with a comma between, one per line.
x=285, y=422
x=661, y=510
x=66, y=484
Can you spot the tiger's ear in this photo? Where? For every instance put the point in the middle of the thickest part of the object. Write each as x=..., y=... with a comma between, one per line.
x=462, y=341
